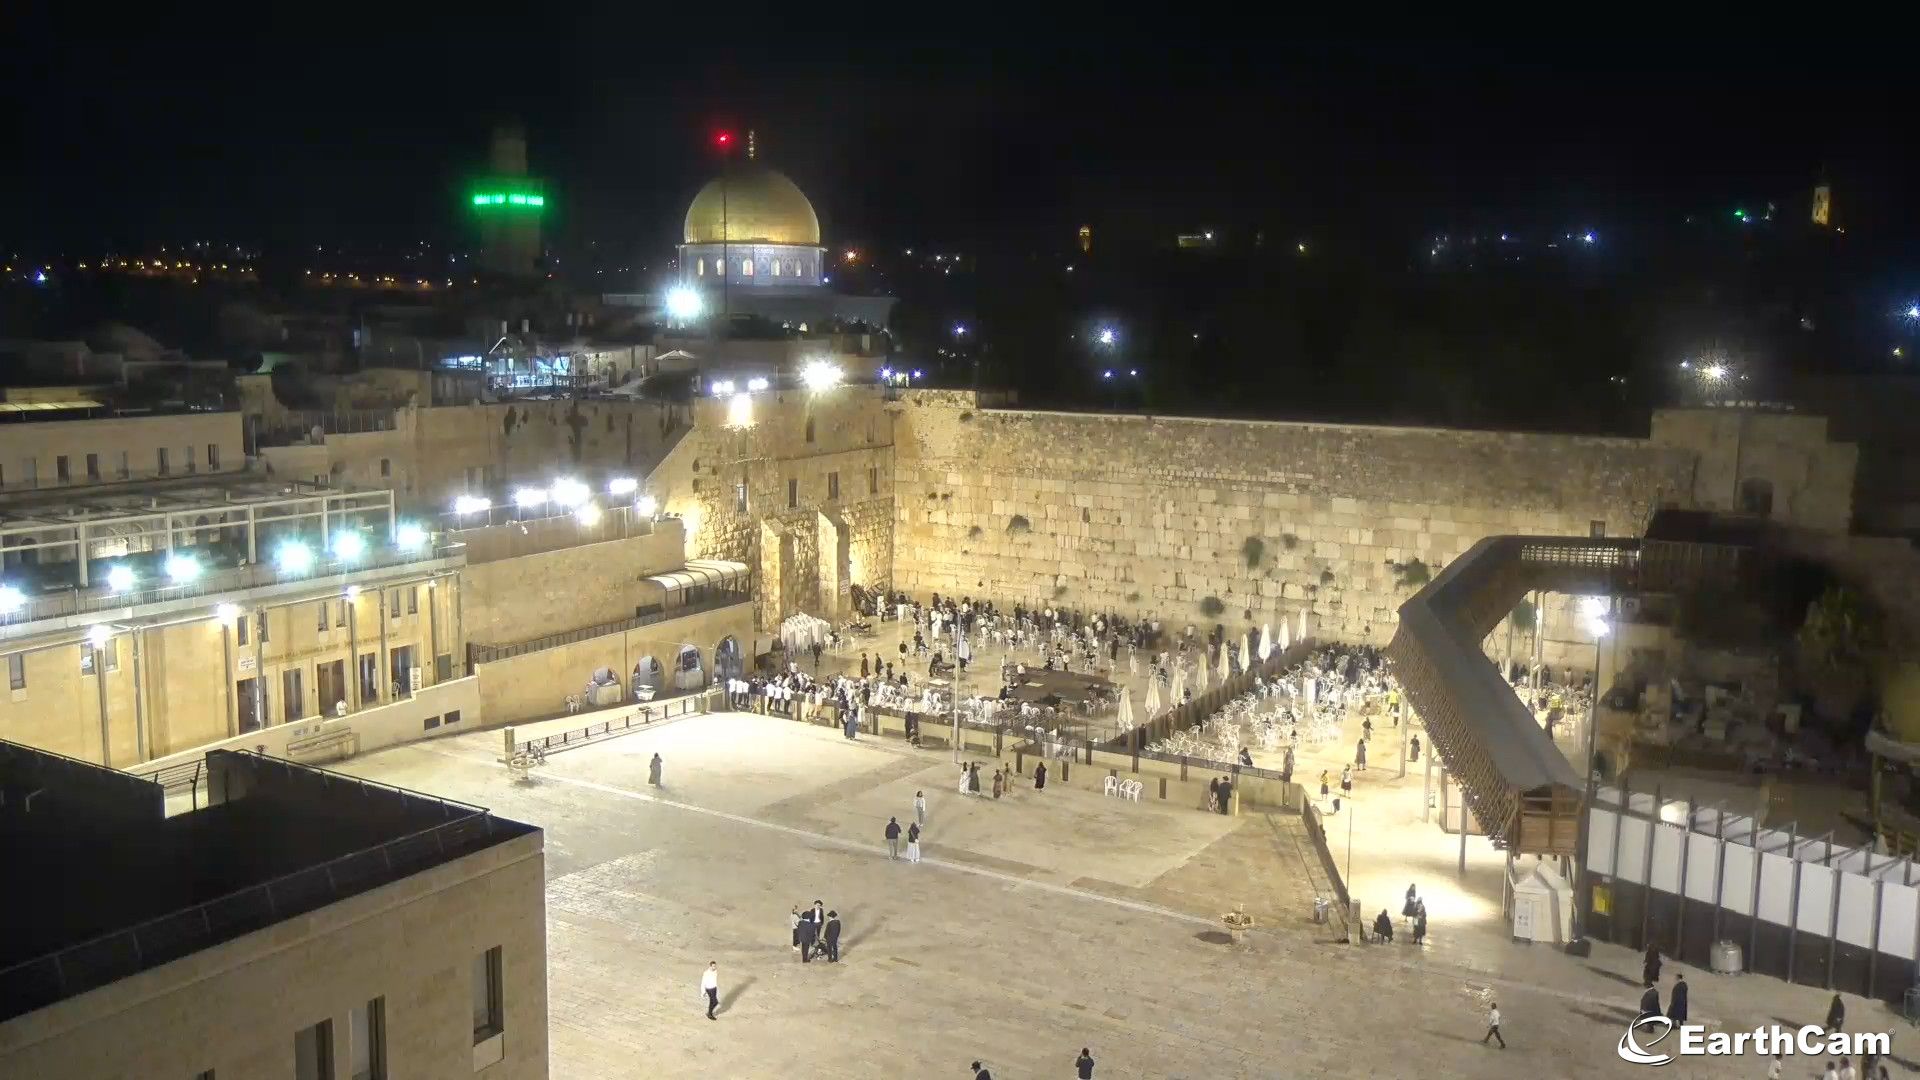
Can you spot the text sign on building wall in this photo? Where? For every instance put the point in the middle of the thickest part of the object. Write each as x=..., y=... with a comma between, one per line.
x=247, y=665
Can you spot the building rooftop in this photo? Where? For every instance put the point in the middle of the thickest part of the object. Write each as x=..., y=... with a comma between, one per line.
x=121, y=888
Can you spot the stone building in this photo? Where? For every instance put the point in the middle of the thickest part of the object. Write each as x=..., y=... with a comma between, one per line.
x=296, y=924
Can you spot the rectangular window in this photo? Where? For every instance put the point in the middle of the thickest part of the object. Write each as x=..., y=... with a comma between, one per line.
x=1596, y=529
x=367, y=1041
x=160, y=456
x=213, y=457
x=453, y=716
x=430, y=723
x=61, y=471
x=340, y=613
x=793, y=493
x=191, y=467
x=126, y=467
x=393, y=608
x=242, y=630
x=833, y=487
x=740, y=496
x=413, y=599
x=873, y=479
x=93, y=466
x=293, y=694
x=86, y=659
x=264, y=636
x=207, y=1075
x=386, y=468
x=322, y=605
x=489, y=1013
x=17, y=671
x=809, y=429
x=30, y=472
x=112, y=652
x=313, y=1052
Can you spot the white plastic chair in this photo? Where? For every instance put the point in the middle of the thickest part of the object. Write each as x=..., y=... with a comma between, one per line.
x=1110, y=787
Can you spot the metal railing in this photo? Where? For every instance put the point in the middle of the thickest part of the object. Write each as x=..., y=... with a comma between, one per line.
x=38, y=982
x=486, y=654
x=77, y=601
x=299, y=426
x=684, y=705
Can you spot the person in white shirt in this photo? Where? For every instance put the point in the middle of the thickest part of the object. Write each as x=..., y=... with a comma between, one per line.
x=710, y=982
x=1775, y=1068
x=920, y=807
x=1493, y=1026
x=1846, y=1069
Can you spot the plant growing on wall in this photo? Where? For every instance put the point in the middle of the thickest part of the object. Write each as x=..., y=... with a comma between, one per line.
x=1289, y=541
x=1841, y=639
x=1018, y=523
x=966, y=417
x=1326, y=577
x=1253, y=550
x=508, y=422
x=1133, y=598
x=1522, y=618
x=1059, y=591
x=1211, y=606
x=1410, y=574
x=973, y=532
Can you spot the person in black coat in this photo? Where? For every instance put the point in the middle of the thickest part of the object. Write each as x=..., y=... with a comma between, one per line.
x=1649, y=1003
x=809, y=936
x=1677, y=999
x=1040, y=776
x=1383, y=927
x=833, y=937
x=1650, y=971
x=1836, y=1014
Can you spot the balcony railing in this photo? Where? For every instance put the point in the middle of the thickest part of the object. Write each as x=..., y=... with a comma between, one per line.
x=486, y=654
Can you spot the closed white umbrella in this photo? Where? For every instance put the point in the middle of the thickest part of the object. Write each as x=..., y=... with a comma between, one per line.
x=1246, y=653
x=1284, y=643
x=1266, y=640
x=1200, y=678
x=1125, y=719
x=1154, y=705
x=1179, y=684
x=1225, y=671
x=1303, y=625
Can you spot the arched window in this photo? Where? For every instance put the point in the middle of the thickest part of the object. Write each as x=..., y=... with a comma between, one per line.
x=776, y=268
x=746, y=267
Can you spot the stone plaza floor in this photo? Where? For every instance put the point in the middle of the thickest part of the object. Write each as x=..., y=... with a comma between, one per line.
x=1037, y=924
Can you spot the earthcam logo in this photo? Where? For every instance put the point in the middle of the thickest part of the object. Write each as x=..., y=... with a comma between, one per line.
x=1640, y=1043
x=1641, y=1036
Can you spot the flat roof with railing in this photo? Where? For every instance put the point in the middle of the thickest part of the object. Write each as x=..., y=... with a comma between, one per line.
x=120, y=896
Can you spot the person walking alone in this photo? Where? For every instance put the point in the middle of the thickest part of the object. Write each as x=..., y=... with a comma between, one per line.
x=710, y=982
x=1493, y=1026
x=1083, y=1065
x=893, y=838
x=1677, y=999
x=913, y=842
x=653, y=771
x=920, y=808
x=1040, y=777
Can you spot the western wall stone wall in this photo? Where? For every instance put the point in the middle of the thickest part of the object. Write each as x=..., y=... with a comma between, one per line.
x=1163, y=516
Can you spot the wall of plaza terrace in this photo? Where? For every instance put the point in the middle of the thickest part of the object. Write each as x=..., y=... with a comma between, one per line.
x=597, y=578
x=430, y=454
x=535, y=684
x=763, y=481
x=1155, y=515
x=120, y=448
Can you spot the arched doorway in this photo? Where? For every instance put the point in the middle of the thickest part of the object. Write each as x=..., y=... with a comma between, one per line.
x=687, y=671
x=648, y=673
x=727, y=661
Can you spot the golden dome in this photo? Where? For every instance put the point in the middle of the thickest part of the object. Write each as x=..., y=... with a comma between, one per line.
x=760, y=205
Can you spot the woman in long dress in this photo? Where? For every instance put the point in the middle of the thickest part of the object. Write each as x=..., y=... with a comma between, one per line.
x=966, y=778
x=794, y=926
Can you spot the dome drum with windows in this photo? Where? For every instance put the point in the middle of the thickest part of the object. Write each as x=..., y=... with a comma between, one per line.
x=756, y=224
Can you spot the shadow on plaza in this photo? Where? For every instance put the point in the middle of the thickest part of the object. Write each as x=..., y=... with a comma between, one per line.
x=1623, y=980
x=854, y=941
x=735, y=993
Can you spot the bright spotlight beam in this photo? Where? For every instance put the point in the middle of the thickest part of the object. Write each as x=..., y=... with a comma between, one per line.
x=820, y=375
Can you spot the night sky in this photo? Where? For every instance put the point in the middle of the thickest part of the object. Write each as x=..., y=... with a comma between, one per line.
x=338, y=129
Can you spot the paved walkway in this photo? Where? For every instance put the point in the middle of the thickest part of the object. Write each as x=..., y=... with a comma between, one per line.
x=1037, y=924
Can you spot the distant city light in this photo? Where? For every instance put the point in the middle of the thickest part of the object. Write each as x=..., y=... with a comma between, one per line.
x=1107, y=336
x=755, y=385
x=1714, y=372
x=182, y=569
x=684, y=303
x=820, y=375
x=1133, y=373
x=723, y=139
x=471, y=504
x=569, y=493
x=648, y=505
x=409, y=536
x=722, y=386
x=959, y=329
x=99, y=634
x=348, y=545
x=1913, y=311
x=11, y=599
x=886, y=374
x=623, y=485
x=1107, y=374
x=528, y=498
x=120, y=578
x=293, y=557
x=1586, y=238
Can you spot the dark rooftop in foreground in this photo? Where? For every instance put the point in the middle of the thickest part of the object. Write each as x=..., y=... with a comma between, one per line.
x=114, y=887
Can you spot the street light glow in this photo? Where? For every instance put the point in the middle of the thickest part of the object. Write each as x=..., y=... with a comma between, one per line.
x=471, y=504
x=409, y=536
x=959, y=329
x=227, y=612
x=588, y=514
x=820, y=375
x=348, y=545
x=528, y=498
x=99, y=634
x=755, y=385
x=623, y=485
x=293, y=557
x=569, y=493
x=11, y=599
x=1714, y=372
x=120, y=578
x=1107, y=336
x=684, y=303
x=182, y=569
x=722, y=387
x=648, y=505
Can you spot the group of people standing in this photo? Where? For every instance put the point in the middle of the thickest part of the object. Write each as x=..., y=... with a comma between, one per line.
x=1414, y=911
x=816, y=930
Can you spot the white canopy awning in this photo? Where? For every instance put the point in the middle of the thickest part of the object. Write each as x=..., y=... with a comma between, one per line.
x=717, y=572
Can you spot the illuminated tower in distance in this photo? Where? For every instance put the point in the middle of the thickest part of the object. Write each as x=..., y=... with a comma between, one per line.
x=507, y=205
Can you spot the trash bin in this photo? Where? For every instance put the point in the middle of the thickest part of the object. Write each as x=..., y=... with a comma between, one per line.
x=1320, y=907
x=1727, y=958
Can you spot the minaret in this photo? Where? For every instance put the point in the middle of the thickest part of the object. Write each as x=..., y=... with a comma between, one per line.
x=508, y=205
